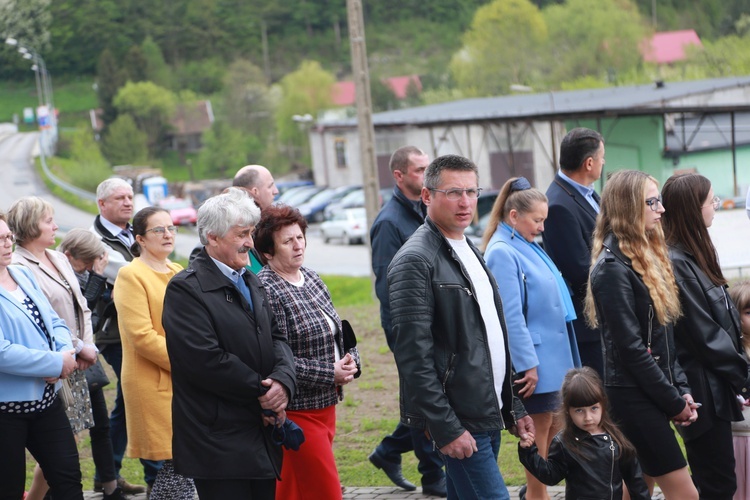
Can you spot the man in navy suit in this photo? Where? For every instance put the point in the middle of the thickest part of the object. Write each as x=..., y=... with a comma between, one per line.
x=573, y=207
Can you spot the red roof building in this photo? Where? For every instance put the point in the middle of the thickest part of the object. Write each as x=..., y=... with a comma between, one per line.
x=343, y=93
x=667, y=47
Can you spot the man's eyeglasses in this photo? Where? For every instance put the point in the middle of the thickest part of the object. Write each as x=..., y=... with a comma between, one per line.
x=653, y=203
x=456, y=194
x=160, y=230
x=715, y=201
x=8, y=237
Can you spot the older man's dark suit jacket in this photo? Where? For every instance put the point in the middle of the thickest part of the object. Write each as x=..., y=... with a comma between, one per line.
x=567, y=239
x=220, y=350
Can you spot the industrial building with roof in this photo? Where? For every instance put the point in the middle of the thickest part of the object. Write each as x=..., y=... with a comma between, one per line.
x=660, y=128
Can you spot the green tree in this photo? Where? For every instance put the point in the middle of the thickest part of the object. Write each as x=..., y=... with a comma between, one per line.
x=124, y=143
x=109, y=79
x=28, y=22
x=136, y=65
x=727, y=56
x=157, y=70
x=151, y=107
x=306, y=91
x=223, y=150
x=593, y=37
x=246, y=99
x=383, y=98
x=92, y=167
x=503, y=46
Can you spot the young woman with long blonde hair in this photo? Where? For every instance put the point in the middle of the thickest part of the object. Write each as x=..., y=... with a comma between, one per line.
x=633, y=299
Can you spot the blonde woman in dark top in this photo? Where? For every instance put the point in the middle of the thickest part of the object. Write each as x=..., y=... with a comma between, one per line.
x=633, y=299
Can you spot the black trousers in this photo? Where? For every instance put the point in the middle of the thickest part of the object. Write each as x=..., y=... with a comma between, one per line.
x=711, y=459
x=249, y=489
x=48, y=437
x=101, y=442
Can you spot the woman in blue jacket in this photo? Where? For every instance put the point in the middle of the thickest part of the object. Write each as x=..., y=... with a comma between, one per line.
x=35, y=353
x=537, y=305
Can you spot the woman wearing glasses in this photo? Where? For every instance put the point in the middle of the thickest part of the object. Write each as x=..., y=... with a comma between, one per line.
x=146, y=374
x=537, y=305
x=708, y=335
x=36, y=351
x=633, y=298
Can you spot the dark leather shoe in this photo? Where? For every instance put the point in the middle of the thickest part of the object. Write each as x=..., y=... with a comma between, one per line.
x=116, y=495
x=436, y=489
x=522, y=492
x=393, y=471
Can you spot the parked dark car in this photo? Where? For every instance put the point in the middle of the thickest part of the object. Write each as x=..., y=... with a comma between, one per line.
x=355, y=199
x=285, y=186
x=312, y=209
x=296, y=196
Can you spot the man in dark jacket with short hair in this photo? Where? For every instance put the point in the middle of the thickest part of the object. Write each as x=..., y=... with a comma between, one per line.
x=573, y=207
x=395, y=223
x=449, y=337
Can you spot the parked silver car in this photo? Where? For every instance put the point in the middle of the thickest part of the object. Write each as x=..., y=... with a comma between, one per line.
x=348, y=225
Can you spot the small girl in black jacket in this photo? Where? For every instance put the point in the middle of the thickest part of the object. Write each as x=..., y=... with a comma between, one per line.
x=590, y=452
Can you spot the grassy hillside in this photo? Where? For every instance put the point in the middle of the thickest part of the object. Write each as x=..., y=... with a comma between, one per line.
x=73, y=99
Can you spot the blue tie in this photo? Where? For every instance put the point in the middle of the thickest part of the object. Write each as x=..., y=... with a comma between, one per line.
x=245, y=291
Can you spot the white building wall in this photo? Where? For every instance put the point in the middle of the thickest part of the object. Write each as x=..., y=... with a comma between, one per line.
x=472, y=140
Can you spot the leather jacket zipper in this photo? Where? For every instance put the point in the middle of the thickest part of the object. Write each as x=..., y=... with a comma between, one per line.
x=448, y=371
x=457, y=287
x=612, y=469
x=650, y=327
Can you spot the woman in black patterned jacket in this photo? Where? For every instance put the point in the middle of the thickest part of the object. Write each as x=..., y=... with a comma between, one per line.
x=305, y=314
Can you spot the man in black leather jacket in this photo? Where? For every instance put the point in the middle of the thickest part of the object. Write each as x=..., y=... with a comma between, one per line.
x=449, y=337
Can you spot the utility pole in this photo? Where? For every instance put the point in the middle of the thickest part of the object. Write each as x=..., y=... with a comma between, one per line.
x=364, y=110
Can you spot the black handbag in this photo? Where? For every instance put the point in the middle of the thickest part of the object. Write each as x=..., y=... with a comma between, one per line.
x=350, y=343
x=96, y=377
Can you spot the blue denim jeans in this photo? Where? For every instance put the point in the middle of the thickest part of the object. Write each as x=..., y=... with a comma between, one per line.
x=477, y=477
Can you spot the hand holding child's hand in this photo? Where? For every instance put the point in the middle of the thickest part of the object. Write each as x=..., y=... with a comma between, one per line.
x=526, y=442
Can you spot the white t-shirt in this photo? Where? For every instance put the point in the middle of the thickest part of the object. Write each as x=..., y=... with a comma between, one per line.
x=486, y=298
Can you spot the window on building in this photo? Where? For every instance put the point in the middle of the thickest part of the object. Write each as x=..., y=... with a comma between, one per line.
x=340, y=146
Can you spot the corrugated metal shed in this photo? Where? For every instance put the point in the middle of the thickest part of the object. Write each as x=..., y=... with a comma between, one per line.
x=611, y=101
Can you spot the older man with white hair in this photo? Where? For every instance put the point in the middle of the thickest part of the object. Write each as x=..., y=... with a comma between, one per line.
x=229, y=360
x=114, y=198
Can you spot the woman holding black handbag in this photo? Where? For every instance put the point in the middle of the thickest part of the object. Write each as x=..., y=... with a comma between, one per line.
x=32, y=220
x=305, y=314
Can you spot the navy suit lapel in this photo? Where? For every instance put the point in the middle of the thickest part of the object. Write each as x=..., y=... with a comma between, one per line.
x=577, y=197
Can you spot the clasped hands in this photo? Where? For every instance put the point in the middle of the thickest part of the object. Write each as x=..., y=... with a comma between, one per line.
x=275, y=399
x=689, y=414
x=68, y=367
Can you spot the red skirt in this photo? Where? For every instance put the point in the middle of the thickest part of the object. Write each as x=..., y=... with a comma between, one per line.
x=312, y=468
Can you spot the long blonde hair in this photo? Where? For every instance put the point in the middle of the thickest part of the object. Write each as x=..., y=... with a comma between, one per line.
x=622, y=214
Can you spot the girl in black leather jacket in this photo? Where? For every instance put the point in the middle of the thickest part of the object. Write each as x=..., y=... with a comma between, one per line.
x=590, y=452
x=633, y=299
x=707, y=336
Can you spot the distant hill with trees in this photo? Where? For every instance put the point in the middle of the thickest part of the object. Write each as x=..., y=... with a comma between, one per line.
x=261, y=62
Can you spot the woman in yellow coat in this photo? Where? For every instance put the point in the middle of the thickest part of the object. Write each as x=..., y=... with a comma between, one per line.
x=146, y=375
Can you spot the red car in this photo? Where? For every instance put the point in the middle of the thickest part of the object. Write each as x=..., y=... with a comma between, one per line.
x=182, y=211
